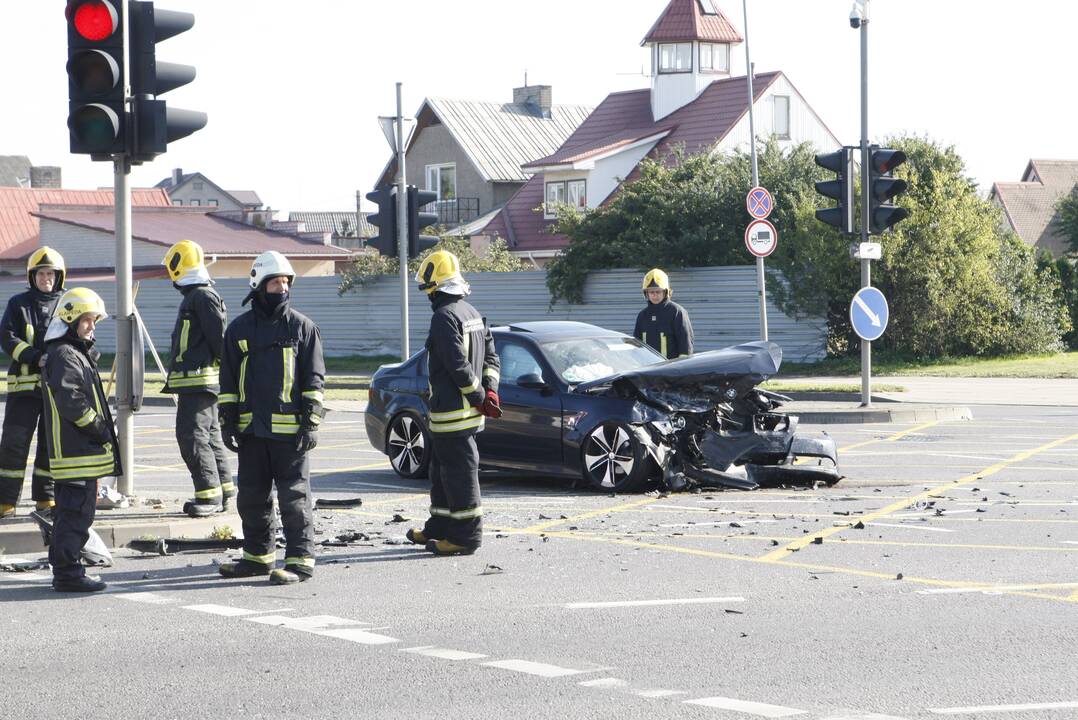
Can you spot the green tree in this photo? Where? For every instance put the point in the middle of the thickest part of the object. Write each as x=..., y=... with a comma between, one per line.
x=1068, y=218
x=369, y=267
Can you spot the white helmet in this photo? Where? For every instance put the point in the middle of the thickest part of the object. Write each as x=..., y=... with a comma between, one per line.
x=271, y=264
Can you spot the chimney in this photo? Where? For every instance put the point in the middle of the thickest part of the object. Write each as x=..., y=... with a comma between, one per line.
x=45, y=176
x=177, y=176
x=539, y=97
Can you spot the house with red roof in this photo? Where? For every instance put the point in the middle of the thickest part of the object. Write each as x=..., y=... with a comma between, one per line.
x=692, y=103
x=1031, y=206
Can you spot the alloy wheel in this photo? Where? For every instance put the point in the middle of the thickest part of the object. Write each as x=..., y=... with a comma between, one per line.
x=407, y=446
x=608, y=455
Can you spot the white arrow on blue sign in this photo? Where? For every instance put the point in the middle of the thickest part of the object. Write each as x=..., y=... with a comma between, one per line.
x=869, y=313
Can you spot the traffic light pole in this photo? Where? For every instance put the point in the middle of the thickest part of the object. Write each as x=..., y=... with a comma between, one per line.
x=866, y=160
x=402, y=226
x=125, y=416
x=761, y=278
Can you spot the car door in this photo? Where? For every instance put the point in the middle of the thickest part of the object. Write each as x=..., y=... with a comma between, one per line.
x=528, y=434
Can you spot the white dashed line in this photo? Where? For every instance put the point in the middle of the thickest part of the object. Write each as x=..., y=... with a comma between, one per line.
x=23, y=576
x=443, y=653
x=362, y=637
x=228, y=610
x=996, y=590
x=608, y=682
x=649, y=603
x=909, y=527
x=148, y=598
x=746, y=706
x=1003, y=708
x=311, y=623
x=534, y=668
x=657, y=693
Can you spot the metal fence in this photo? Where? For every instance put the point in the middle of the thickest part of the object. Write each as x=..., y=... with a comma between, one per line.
x=721, y=303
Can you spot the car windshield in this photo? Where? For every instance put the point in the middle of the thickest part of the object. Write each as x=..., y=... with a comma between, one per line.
x=582, y=359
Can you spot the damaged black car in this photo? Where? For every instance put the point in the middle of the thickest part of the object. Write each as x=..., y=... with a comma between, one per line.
x=583, y=402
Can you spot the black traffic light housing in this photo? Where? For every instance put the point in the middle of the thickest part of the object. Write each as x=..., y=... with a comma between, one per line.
x=418, y=243
x=97, y=116
x=385, y=220
x=841, y=189
x=155, y=124
x=883, y=188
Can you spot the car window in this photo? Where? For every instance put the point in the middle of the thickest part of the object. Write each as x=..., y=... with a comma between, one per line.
x=582, y=359
x=516, y=361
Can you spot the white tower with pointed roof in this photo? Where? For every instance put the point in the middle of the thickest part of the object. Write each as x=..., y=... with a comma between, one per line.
x=690, y=48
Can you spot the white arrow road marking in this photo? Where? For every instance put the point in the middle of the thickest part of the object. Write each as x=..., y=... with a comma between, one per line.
x=745, y=706
x=873, y=317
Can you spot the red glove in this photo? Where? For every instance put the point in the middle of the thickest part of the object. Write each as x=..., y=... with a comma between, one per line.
x=491, y=406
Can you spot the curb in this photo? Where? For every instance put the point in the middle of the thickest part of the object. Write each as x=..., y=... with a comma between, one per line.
x=24, y=537
x=871, y=415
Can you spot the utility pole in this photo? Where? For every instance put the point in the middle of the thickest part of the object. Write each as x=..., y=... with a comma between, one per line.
x=750, y=71
x=125, y=413
x=866, y=159
x=402, y=226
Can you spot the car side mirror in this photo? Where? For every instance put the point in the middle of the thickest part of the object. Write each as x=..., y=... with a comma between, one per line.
x=533, y=381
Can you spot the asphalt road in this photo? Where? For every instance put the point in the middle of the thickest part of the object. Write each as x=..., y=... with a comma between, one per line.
x=958, y=597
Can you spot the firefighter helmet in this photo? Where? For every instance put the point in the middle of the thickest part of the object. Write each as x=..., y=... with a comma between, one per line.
x=182, y=258
x=436, y=270
x=269, y=265
x=76, y=302
x=45, y=258
x=656, y=278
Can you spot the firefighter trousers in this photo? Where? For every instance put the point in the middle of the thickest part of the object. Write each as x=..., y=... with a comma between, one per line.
x=263, y=465
x=456, y=510
x=76, y=504
x=22, y=417
x=199, y=436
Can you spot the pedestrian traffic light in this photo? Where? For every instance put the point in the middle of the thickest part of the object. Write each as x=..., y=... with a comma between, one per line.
x=385, y=220
x=419, y=221
x=841, y=189
x=883, y=188
x=95, y=72
x=156, y=124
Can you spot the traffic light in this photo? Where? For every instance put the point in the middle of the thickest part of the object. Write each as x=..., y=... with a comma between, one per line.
x=385, y=220
x=156, y=124
x=418, y=221
x=883, y=187
x=841, y=189
x=95, y=72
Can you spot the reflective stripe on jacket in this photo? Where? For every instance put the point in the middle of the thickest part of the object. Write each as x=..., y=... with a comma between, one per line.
x=665, y=326
x=461, y=365
x=22, y=336
x=272, y=373
x=196, y=342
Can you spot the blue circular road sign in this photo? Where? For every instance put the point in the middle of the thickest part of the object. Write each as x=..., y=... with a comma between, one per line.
x=869, y=313
x=759, y=203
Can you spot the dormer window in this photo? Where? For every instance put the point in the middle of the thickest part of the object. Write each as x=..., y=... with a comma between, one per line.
x=714, y=57
x=709, y=7
x=675, y=57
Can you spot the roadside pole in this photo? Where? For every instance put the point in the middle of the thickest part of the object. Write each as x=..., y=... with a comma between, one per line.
x=866, y=159
x=402, y=227
x=761, y=281
x=125, y=416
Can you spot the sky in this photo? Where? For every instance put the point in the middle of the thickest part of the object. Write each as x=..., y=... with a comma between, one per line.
x=293, y=90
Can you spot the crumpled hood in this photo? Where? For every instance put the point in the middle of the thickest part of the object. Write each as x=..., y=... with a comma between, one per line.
x=696, y=383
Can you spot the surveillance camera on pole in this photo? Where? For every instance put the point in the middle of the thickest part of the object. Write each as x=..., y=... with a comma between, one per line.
x=857, y=15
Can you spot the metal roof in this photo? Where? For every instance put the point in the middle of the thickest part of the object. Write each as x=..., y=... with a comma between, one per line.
x=333, y=222
x=685, y=20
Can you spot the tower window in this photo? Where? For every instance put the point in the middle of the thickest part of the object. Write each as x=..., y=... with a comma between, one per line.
x=675, y=57
x=714, y=57
x=708, y=7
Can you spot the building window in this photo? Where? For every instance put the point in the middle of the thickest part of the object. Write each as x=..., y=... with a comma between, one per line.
x=196, y=203
x=177, y=202
x=714, y=57
x=555, y=195
x=708, y=7
x=782, y=117
x=442, y=179
x=675, y=57
x=196, y=185
x=212, y=203
x=576, y=193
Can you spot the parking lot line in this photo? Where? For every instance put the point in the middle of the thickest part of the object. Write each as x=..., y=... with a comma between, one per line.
x=584, y=516
x=1028, y=707
x=535, y=668
x=650, y=603
x=746, y=706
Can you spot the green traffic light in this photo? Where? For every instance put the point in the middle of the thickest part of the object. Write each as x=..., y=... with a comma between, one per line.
x=95, y=127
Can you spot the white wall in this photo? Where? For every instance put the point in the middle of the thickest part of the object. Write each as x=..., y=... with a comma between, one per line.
x=805, y=126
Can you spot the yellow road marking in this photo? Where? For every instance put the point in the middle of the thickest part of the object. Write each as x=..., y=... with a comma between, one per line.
x=392, y=501
x=353, y=468
x=890, y=438
x=586, y=516
x=903, y=504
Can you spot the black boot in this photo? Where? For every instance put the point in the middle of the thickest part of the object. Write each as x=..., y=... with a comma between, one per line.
x=243, y=569
x=84, y=584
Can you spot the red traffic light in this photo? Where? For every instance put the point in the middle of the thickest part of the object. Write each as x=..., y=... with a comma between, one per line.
x=885, y=161
x=94, y=20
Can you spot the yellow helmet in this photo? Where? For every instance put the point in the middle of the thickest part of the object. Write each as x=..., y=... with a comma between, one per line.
x=45, y=258
x=437, y=269
x=76, y=302
x=182, y=258
x=656, y=278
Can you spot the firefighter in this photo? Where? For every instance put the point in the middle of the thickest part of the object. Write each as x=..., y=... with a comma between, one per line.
x=193, y=375
x=463, y=370
x=272, y=374
x=663, y=324
x=79, y=432
x=22, y=335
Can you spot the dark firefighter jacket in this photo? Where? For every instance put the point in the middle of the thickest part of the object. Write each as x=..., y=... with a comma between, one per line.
x=22, y=335
x=196, y=342
x=461, y=364
x=272, y=373
x=78, y=423
x=665, y=326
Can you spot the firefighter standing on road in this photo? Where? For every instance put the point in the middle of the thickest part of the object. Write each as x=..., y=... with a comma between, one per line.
x=194, y=369
x=22, y=335
x=463, y=370
x=79, y=432
x=272, y=374
x=663, y=324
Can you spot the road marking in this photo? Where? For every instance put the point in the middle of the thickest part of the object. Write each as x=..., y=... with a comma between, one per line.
x=149, y=598
x=443, y=653
x=746, y=706
x=228, y=610
x=310, y=623
x=1003, y=708
x=863, y=716
x=19, y=577
x=534, y=668
x=721, y=523
x=657, y=693
x=998, y=589
x=353, y=468
x=585, y=516
x=909, y=527
x=608, y=682
x=651, y=603
x=943, y=513
x=364, y=483
x=1070, y=542
x=363, y=637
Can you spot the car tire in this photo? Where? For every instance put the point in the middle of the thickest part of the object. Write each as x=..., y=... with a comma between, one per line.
x=408, y=446
x=614, y=460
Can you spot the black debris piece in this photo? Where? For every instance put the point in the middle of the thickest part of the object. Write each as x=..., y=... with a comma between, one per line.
x=170, y=546
x=24, y=566
x=859, y=526
x=817, y=541
x=774, y=543
x=398, y=518
x=492, y=570
x=333, y=503
x=898, y=577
